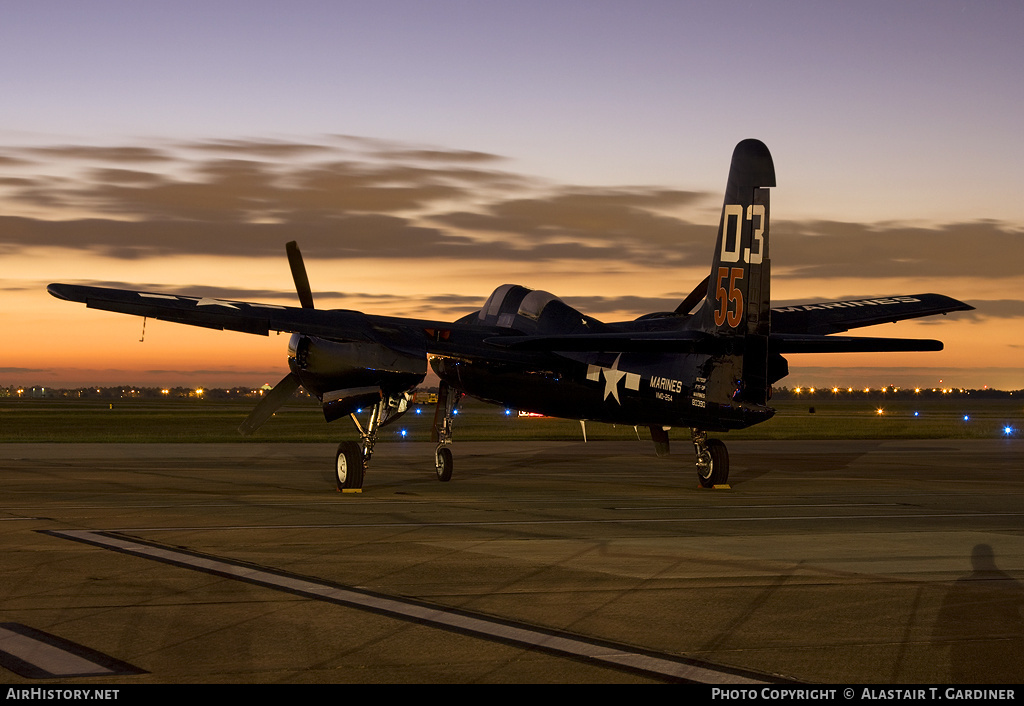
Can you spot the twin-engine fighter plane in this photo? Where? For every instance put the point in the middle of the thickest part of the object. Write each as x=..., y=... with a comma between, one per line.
x=708, y=366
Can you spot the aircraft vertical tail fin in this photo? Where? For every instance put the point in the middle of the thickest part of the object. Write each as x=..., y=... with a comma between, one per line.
x=737, y=304
x=737, y=299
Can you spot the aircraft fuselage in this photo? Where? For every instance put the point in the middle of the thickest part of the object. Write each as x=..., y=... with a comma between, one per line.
x=624, y=388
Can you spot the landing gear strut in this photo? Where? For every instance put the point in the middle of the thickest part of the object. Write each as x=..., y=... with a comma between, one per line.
x=353, y=457
x=444, y=417
x=712, y=459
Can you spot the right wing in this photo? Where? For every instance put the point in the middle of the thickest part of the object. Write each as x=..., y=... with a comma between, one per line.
x=261, y=319
x=220, y=314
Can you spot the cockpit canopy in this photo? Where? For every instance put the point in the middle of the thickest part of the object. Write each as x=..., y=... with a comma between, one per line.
x=530, y=311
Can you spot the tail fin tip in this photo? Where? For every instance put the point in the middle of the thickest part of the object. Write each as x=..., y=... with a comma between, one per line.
x=752, y=162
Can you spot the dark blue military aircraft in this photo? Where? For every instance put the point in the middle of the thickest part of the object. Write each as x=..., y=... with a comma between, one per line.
x=708, y=366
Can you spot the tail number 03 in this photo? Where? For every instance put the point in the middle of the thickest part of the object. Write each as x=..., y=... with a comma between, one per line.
x=732, y=234
x=725, y=296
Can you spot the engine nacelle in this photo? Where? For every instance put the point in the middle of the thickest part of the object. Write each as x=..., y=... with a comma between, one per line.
x=347, y=375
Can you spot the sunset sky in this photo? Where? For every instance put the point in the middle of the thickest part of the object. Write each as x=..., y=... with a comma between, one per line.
x=424, y=152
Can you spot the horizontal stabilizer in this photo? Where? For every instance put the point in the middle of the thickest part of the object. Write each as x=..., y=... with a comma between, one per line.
x=808, y=343
x=631, y=342
x=697, y=342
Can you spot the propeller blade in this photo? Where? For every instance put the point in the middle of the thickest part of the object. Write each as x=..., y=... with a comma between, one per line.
x=270, y=404
x=299, y=275
x=694, y=298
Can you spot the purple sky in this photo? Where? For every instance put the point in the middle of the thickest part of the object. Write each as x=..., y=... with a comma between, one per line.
x=560, y=144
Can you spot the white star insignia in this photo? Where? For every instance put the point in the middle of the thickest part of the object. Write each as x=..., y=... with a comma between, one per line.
x=210, y=301
x=612, y=376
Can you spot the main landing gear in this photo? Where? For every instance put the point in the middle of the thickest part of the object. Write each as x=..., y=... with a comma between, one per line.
x=712, y=459
x=352, y=457
x=444, y=417
x=350, y=467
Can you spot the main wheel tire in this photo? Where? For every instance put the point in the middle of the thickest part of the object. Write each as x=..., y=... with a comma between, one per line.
x=717, y=471
x=444, y=464
x=348, y=466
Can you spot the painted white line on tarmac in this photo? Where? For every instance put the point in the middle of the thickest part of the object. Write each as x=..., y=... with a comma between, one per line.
x=35, y=654
x=565, y=644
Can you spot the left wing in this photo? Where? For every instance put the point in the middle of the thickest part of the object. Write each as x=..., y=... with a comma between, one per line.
x=806, y=328
x=835, y=317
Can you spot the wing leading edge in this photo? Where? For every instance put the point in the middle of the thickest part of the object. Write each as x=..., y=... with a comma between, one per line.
x=246, y=317
x=207, y=312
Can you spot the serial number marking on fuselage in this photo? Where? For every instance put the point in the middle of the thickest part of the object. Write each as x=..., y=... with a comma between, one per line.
x=699, y=393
